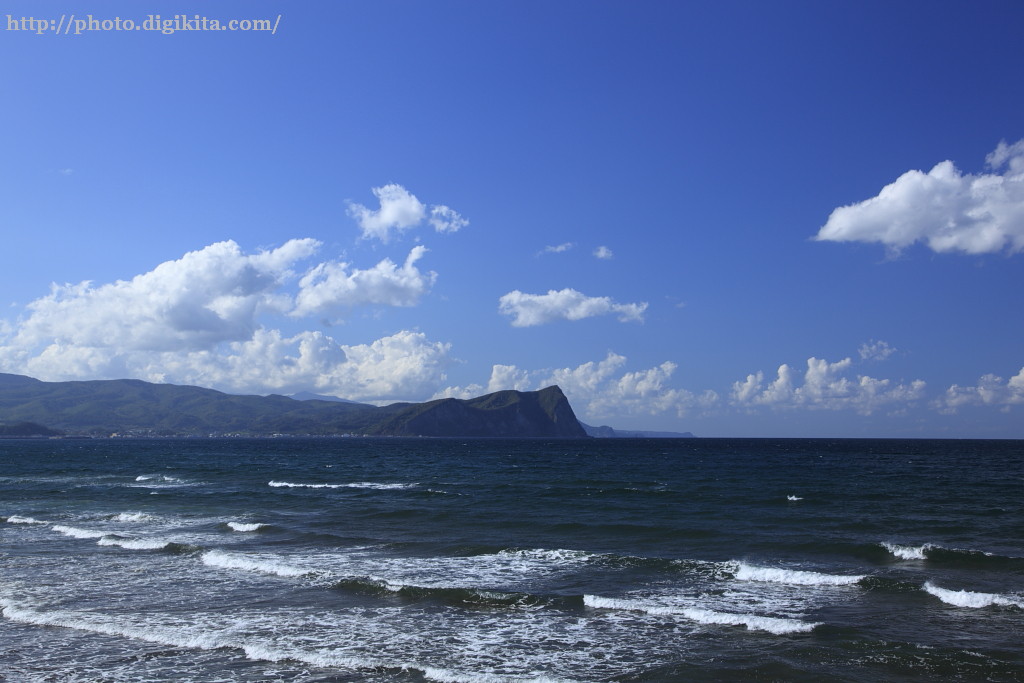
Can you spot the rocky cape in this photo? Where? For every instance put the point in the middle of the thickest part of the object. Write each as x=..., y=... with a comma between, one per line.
x=129, y=407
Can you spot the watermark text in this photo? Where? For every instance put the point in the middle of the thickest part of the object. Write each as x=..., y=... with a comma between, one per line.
x=76, y=25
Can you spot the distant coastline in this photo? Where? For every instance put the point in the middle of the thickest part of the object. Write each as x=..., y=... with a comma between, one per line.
x=133, y=408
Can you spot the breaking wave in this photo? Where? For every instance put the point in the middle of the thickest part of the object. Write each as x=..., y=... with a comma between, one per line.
x=132, y=517
x=205, y=639
x=76, y=532
x=908, y=552
x=753, y=622
x=352, y=485
x=18, y=519
x=972, y=599
x=746, y=572
x=953, y=557
x=223, y=560
x=136, y=543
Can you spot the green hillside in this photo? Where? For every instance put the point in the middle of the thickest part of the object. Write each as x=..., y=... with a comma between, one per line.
x=104, y=407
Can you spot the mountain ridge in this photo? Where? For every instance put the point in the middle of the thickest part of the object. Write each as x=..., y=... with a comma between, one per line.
x=138, y=408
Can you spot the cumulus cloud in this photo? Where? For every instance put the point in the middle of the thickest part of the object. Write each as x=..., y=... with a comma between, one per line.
x=208, y=296
x=503, y=377
x=197, y=320
x=445, y=219
x=599, y=390
x=948, y=210
x=566, y=304
x=330, y=286
x=403, y=366
x=875, y=350
x=508, y=377
x=991, y=390
x=824, y=386
x=400, y=210
x=603, y=252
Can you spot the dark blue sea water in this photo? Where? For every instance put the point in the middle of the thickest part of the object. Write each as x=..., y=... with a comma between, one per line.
x=506, y=560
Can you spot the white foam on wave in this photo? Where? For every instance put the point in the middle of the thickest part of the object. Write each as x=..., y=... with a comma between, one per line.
x=174, y=636
x=753, y=622
x=321, y=659
x=351, y=485
x=76, y=532
x=18, y=519
x=223, y=560
x=556, y=555
x=134, y=543
x=793, y=498
x=746, y=572
x=160, y=481
x=972, y=599
x=908, y=552
x=132, y=517
x=245, y=527
x=204, y=638
x=433, y=673
x=381, y=486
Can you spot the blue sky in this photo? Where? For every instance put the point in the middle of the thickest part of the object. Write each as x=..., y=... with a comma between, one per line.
x=730, y=218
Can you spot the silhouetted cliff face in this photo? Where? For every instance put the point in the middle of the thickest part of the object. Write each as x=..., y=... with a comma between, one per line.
x=506, y=413
x=102, y=407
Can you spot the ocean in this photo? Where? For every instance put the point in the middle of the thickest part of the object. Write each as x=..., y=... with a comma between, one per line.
x=358, y=559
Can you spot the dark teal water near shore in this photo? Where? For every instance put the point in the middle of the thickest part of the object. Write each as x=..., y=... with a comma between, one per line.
x=506, y=560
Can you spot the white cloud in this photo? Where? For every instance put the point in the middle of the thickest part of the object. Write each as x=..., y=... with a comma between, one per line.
x=875, y=350
x=825, y=386
x=566, y=304
x=330, y=286
x=556, y=249
x=197, y=320
x=990, y=391
x=208, y=296
x=947, y=210
x=598, y=390
x=508, y=377
x=596, y=393
x=400, y=210
x=503, y=377
x=603, y=253
x=445, y=219
x=403, y=366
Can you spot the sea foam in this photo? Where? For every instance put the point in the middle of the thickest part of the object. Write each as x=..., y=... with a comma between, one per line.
x=134, y=543
x=746, y=572
x=353, y=485
x=908, y=552
x=242, y=526
x=18, y=519
x=223, y=560
x=174, y=636
x=76, y=532
x=753, y=622
x=132, y=517
x=972, y=599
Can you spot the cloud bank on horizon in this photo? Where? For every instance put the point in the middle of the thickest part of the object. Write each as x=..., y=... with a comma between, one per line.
x=206, y=317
